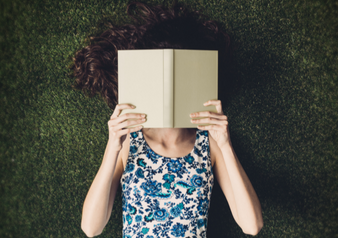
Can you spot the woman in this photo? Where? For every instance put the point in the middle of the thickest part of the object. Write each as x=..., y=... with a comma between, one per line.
x=167, y=174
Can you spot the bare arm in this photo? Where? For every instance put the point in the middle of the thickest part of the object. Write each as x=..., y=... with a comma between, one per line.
x=95, y=207
x=117, y=176
x=95, y=213
x=236, y=186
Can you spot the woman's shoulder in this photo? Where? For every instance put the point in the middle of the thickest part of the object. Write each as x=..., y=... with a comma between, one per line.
x=125, y=150
x=214, y=150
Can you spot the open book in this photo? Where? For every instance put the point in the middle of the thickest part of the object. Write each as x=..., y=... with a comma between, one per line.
x=167, y=84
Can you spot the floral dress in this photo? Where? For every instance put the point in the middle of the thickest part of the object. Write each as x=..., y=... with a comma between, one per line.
x=166, y=197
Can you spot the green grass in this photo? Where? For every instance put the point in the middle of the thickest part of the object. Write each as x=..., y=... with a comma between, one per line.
x=283, y=115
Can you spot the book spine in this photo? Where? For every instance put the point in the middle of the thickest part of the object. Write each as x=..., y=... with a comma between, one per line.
x=168, y=88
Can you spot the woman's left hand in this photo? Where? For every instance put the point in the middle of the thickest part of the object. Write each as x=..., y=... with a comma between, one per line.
x=219, y=123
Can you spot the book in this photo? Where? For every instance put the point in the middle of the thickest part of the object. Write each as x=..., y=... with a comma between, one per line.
x=167, y=84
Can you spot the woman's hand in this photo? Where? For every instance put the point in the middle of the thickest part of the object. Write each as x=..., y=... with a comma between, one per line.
x=219, y=129
x=116, y=125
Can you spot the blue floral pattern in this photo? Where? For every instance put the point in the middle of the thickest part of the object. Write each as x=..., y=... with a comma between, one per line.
x=166, y=197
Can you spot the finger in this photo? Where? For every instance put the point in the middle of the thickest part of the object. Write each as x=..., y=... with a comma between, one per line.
x=216, y=103
x=129, y=130
x=129, y=123
x=128, y=116
x=119, y=108
x=209, y=114
x=209, y=121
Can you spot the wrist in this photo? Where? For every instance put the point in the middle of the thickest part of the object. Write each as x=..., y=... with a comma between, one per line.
x=225, y=146
x=228, y=151
x=113, y=146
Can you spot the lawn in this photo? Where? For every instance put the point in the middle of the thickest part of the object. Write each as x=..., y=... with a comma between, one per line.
x=282, y=110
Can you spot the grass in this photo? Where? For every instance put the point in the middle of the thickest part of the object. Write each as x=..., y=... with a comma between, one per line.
x=283, y=115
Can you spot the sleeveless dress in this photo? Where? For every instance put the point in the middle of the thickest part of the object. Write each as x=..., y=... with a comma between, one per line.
x=166, y=197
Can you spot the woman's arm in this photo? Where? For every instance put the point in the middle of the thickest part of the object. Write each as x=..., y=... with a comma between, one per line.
x=236, y=186
x=95, y=213
x=95, y=207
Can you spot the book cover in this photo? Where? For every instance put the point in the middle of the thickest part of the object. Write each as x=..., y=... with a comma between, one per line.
x=167, y=84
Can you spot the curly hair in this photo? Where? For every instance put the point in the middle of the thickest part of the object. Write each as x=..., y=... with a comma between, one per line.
x=156, y=27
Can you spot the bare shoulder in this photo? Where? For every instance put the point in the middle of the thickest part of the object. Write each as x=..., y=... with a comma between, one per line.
x=125, y=151
x=215, y=151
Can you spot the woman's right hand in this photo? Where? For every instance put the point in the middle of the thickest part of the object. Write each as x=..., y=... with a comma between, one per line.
x=117, y=124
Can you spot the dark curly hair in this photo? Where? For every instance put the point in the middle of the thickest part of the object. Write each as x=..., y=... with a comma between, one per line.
x=156, y=27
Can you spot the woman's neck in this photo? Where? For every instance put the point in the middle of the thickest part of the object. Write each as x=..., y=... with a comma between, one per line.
x=169, y=136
